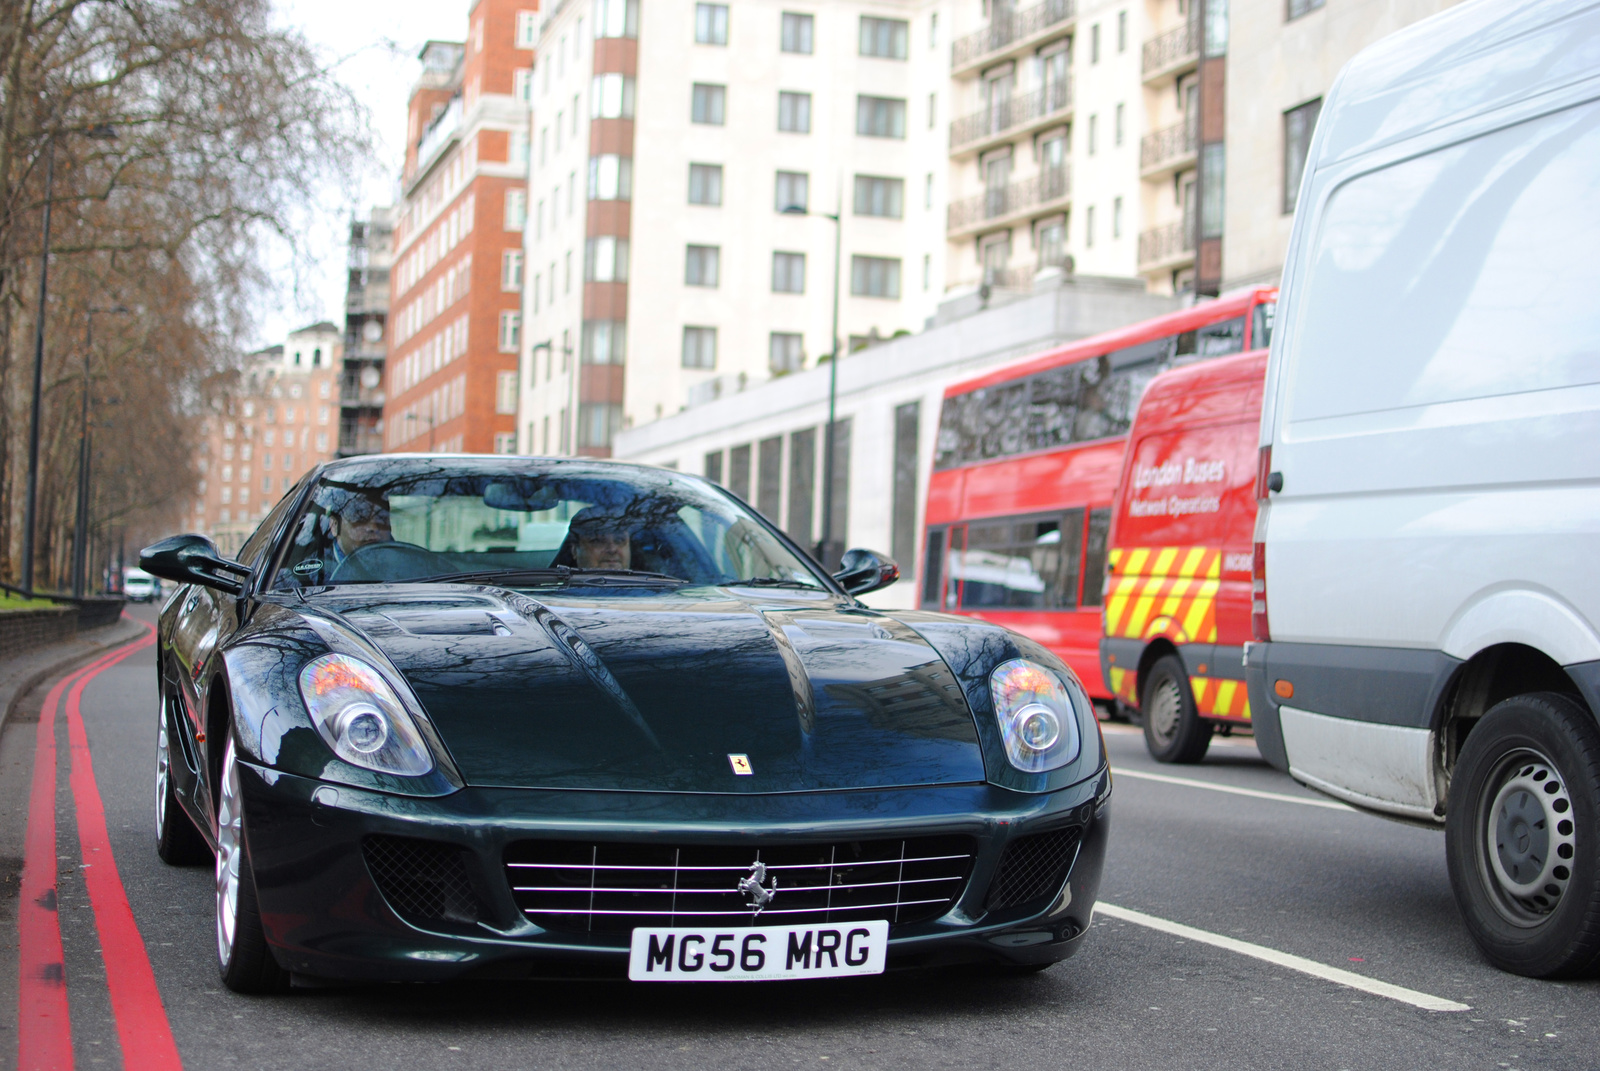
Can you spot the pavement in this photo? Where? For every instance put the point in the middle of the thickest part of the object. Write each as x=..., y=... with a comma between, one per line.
x=1227, y=888
x=21, y=673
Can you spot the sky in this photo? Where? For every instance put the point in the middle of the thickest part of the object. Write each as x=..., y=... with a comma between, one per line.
x=374, y=44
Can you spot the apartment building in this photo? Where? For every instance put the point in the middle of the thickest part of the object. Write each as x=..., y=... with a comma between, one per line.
x=455, y=326
x=694, y=165
x=366, y=315
x=281, y=420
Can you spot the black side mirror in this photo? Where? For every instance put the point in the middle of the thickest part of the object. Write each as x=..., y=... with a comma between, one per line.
x=861, y=571
x=193, y=559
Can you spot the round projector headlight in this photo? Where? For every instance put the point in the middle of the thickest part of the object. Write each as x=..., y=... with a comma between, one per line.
x=361, y=718
x=1038, y=716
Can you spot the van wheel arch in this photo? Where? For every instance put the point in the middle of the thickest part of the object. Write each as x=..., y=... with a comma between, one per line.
x=1153, y=652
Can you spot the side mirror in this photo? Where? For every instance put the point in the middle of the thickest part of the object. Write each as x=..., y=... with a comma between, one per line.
x=861, y=571
x=193, y=559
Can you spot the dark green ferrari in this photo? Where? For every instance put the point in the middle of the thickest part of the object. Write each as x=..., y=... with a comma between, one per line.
x=507, y=717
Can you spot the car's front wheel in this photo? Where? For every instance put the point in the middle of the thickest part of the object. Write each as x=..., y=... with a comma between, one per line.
x=178, y=842
x=1174, y=731
x=1521, y=834
x=246, y=962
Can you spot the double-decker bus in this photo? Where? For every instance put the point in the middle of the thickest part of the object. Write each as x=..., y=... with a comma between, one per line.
x=1026, y=464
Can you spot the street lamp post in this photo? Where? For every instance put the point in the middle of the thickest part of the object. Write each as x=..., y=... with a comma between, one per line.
x=833, y=384
x=80, y=533
x=573, y=395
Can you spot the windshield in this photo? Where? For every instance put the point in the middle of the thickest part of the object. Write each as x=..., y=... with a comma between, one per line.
x=414, y=519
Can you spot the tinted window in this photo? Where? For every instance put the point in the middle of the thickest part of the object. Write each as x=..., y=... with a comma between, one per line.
x=1094, y=556
x=1031, y=564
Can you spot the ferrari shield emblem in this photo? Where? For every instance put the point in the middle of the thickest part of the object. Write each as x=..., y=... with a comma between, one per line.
x=741, y=765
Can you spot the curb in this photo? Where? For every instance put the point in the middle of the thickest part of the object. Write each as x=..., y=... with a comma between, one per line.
x=38, y=677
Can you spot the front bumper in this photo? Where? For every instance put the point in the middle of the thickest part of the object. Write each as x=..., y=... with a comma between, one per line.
x=325, y=917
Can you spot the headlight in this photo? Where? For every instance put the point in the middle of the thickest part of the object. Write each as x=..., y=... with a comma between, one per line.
x=1037, y=717
x=361, y=718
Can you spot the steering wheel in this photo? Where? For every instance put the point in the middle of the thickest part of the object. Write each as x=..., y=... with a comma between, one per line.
x=391, y=561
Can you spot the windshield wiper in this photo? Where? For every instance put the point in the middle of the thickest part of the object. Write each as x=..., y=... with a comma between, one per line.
x=773, y=582
x=564, y=573
x=624, y=574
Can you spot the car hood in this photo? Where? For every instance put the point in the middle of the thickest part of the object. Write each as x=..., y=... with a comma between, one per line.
x=666, y=692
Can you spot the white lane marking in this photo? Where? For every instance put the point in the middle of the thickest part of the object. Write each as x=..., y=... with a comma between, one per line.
x=1425, y=1001
x=1188, y=782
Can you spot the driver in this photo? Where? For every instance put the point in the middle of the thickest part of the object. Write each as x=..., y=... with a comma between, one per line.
x=601, y=539
x=360, y=522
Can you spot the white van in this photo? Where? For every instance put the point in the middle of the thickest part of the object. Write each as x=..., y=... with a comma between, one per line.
x=1427, y=558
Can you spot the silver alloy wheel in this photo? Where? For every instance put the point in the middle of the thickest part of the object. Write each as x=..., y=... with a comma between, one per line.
x=163, y=768
x=230, y=842
x=1528, y=838
x=1164, y=710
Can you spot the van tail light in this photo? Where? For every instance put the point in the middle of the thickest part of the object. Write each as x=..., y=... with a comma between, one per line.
x=1263, y=470
x=1260, y=628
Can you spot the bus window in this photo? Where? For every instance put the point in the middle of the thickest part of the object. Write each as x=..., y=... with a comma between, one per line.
x=933, y=568
x=1094, y=556
x=1031, y=564
x=1261, y=325
x=1213, y=340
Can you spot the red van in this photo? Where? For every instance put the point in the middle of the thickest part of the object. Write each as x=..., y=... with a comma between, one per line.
x=1177, y=593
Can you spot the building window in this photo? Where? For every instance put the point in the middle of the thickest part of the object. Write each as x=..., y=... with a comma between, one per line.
x=701, y=265
x=739, y=470
x=713, y=467
x=598, y=423
x=1302, y=7
x=1117, y=126
x=786, y=352
x=875, y=277
x=1116, y=217
x=796, y=34
x=511, y=270
x=610, y=177
x=1094, y=43
x=708, y=103
x=877, y=196
x=505, y=442
x=927, y=271
x=1050, y=239
x=516, y=209
x=802, y=485
x=611, y=97
x=510, y=332
x=883, y=37
x=505, y=395
x=522, y=84
x=880, y=117
x=1298, y=126
x=794, y=112
x=527, y=29
x=699, y=347
x=616, y=18
x=711, y=24
x=788, y=273
x=605, y=260
x=792, y=191
x=1122, y=31
x=1094, y=130
x=1213, y=172
x=604, y=342
x=933, y=30
x=705, y=184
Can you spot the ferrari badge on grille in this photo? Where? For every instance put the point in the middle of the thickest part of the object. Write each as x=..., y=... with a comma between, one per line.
x=741, y=765
x=756, y=894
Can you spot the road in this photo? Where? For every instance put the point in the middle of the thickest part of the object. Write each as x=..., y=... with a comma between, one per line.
x=1280, y=869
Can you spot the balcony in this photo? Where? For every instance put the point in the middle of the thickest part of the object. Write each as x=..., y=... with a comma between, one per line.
x=1006, y=204
x=1166, y=247
x=1171, y=54
x=1006, y=119
x=1009, y=31
x=1169, y=150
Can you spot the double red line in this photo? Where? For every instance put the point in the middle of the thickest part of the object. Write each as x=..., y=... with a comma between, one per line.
x=44, y=1025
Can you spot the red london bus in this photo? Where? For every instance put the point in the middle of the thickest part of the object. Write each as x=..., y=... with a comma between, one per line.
x=1026, y=464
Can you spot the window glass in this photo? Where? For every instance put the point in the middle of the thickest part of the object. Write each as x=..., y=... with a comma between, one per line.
x=933, y=569
x=785, y=352
x=883, y=37
x=714, y=466
x=878, y=196
x=1298, y=126
x=875, y=277
x=769, y=477
x=1029, y=564
x=707, y=103
x=788, y=273
x=792, y=190
x=739, y=470
x=880, y=117
x=794, y=112
x=701, y=265
x=711, y=24
x=1094, y=556
x=1261, y=326
x=802, y=485
x=705, y=184
x=796, y=33
x=903, y=509
x=700, y=347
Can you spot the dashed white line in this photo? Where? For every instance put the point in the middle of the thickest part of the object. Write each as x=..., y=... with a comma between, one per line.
x=1425, y=1001
x=1189, y=782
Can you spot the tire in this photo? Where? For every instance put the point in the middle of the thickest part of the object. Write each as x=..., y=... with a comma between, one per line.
x=1174, y=731
x=178, y=842
x=1521, y=836
x=243, y=956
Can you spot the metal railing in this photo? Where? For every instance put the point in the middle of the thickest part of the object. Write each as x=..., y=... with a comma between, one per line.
x=1164, y=146
x=1013, y=111
x=1169, y=48
x=1009, y=25
x=1164, y=243
x=1047, y=185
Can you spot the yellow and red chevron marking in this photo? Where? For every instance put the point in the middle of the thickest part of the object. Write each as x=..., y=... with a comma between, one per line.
x=1163, y=591
x=1221, y=698
x=1125, y=685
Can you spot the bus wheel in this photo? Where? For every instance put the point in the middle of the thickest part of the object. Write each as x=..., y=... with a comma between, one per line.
x=1520, y=836
x=1173, y=729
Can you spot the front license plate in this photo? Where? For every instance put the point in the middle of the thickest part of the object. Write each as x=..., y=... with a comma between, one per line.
x=758, y=953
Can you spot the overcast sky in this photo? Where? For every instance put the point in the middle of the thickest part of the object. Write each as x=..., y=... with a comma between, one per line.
x=375, y=45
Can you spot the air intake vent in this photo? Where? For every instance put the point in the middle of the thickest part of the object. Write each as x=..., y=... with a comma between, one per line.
x=423, y=880
x=1033, y=868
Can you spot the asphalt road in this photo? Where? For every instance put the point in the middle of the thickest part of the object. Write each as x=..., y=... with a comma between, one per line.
x=1325, y=883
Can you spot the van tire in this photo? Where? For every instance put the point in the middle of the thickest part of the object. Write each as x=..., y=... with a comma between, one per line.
x=1174, y=731
x=1520, y=836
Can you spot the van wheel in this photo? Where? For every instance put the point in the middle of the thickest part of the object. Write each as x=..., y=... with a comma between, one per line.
x=1173, y=728
x=1520, y=836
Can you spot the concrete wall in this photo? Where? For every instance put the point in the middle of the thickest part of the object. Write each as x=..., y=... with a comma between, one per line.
x=24, y=630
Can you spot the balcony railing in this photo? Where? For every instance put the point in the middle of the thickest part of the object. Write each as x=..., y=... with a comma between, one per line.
x=1165, y=243
x=1012, y=112
x=1171, y=47
x=1023, y=278
x=1007, y=26
x=1048, y=185
x=1165, y=146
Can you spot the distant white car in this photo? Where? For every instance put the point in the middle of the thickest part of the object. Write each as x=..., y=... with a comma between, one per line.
x=140, y=586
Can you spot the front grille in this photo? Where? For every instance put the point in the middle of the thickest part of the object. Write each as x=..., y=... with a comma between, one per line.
x=611, y=888
x=1032, y=868
x=423, y=880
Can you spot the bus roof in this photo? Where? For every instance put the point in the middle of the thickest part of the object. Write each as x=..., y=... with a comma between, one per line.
x=1236, y=303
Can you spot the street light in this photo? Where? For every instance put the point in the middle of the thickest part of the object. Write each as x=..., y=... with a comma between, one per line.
x=833, y=384
x=99, y=132
x=573, y=399
x=80, y=533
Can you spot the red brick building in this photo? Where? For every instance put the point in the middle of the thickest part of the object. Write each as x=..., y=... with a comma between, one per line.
x=455, y=320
